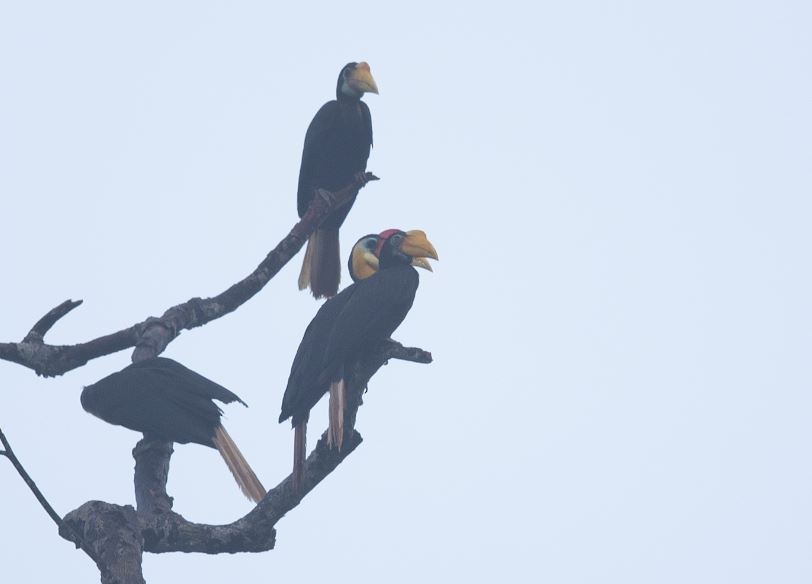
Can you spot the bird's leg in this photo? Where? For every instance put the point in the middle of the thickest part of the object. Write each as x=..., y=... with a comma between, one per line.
x=328, y=196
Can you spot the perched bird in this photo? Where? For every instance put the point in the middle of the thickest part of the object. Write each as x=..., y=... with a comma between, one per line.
x=362, y=315
x=165, y=400
x=336, y=148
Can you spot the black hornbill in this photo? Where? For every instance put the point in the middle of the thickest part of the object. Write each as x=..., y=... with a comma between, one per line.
x=362, y=315
x=165, y=400
x=336, y=148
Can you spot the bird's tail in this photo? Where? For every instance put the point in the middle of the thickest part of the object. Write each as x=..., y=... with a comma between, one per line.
x=299, y=453
x=304, y=275
x=338, y=400
x=321, y=268
x=246, y=479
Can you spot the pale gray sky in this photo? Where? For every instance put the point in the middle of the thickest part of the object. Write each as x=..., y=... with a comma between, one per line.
x=620, y=196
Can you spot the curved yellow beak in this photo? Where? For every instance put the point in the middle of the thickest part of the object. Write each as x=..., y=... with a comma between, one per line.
x=361, y=79
x=422, y=263
x=418, y=246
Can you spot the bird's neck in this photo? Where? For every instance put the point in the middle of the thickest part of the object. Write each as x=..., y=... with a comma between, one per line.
x=350, y=110
x=345, y=99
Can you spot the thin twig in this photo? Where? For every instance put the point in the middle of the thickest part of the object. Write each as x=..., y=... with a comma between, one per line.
x=8, y=452
x=43, y=325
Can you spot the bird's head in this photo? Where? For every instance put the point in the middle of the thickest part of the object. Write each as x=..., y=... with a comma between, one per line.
x=355, y=80
x=363, y=261
x=396, y=247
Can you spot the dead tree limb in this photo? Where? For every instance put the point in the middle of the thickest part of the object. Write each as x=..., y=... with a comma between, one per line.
x=151, y=336
x=155, y=528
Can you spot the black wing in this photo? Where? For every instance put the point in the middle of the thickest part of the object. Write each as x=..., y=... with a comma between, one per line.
x=316, y=152
x=336, y=147
x=377, y=308
x=303, y=389
x=367, y=117
x=168, y=372
x=160, y=398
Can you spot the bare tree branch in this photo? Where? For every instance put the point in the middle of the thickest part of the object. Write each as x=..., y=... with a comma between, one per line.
x=158, y=529
x=43, y=325
x=151, y=336
x=113, y=533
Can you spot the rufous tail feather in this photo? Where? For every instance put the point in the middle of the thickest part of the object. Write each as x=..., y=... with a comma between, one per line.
x=325, y=263
x=246, y=479
x=331, y=417
x=299, y=453
x=338, y=399
x=304, y=275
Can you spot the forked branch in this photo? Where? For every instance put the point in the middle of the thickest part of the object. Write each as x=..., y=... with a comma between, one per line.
x=155, y=528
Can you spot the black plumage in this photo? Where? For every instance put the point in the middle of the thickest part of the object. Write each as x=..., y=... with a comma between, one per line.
x=362, y=315
x=336, y=148
x=161, y=398
x=165, y=400
x=303, y=390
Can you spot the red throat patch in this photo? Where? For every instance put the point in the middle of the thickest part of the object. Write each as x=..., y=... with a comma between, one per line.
x=384, y=235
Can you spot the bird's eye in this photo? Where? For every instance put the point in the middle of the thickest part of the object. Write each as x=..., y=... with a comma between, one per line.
x=371, y=243
x=346, y=71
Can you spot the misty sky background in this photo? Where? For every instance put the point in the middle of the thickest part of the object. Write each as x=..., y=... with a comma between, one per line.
x=620, y=196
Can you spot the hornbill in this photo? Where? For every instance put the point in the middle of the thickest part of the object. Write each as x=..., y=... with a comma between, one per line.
x=336, y=148
x=363, y=314
x=165, y=400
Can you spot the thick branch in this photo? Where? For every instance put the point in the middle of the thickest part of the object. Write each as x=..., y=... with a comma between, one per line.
x=255, y=532
x=151, y=473
x=151, y=336
x=114, y=534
